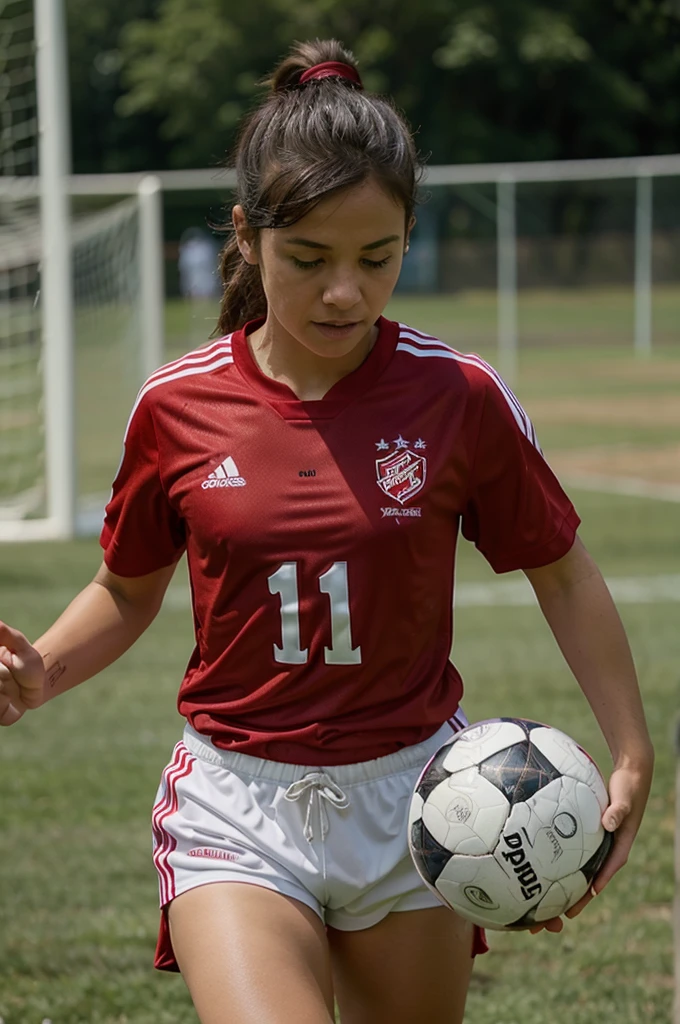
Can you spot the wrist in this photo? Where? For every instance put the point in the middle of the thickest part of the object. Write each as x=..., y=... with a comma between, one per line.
x=635, y=757
x=53, y=671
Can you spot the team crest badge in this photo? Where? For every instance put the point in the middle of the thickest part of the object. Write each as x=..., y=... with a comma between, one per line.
x=401, y=474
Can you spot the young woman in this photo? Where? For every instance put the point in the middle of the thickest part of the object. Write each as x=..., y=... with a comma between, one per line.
x=315, y=464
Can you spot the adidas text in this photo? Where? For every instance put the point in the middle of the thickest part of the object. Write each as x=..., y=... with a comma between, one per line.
x=230, y=481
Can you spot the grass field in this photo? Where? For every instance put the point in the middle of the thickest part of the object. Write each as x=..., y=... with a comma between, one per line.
x=78, y=912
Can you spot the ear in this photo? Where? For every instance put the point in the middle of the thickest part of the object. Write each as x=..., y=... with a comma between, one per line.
x=245, y=235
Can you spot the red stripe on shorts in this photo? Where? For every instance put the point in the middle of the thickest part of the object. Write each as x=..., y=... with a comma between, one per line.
x=180, y=766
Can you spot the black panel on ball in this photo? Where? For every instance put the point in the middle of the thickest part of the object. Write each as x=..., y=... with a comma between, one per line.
x=435, y=774
x=430, y=856
x=525, y=724
x=519, y=771
x=527, y=920
x=591, y=867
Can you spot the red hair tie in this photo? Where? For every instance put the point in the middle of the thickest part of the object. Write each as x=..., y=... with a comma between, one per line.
x=331, y=69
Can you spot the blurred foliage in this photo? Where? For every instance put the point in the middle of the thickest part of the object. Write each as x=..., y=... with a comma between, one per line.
x=102, y=140
x=165, y=82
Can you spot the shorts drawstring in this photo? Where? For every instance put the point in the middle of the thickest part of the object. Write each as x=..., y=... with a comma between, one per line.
x=324, y=786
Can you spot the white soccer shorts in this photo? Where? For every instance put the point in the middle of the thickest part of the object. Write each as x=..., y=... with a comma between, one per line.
x=334, y=838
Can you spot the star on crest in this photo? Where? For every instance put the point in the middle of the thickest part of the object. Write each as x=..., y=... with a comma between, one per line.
x=382, y=445
x=420, y=443
x=400, y=442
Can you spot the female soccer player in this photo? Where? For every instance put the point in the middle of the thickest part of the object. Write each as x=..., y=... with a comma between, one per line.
x=315, y=464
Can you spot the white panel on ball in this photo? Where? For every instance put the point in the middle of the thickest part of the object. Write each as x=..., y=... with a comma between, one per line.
x=473, y=809
x=480, y=741
x=561, y=895
x=434, y=821
x=567, y=756
x=478, y=887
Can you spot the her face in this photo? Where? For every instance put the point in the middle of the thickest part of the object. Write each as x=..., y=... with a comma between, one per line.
x=329, y=276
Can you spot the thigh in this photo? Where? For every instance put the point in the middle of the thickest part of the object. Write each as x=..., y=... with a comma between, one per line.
x=413, y=965
x=249, y=954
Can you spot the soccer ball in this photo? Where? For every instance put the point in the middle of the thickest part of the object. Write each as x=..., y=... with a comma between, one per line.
x=505, y=823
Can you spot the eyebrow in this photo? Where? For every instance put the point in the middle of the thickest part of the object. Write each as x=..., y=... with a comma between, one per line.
x=364, y=248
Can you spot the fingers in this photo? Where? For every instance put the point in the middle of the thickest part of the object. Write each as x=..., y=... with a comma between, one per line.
x=10, y=713
x=555, y=924
x=615, y=815
x=582, y=904
x=13, y=640
x=11, y=706
x=22, y=674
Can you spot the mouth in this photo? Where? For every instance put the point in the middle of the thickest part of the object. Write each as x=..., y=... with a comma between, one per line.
x=336, y=328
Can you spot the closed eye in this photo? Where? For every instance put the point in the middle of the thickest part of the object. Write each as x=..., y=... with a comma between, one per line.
x=310, y=264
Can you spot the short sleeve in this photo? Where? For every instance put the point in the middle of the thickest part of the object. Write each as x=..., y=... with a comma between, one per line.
x=516, y=512
x=142, y=532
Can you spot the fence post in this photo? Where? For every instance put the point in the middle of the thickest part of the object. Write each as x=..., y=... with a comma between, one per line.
x=150, y=197
x=506, y=228
x=643, y=265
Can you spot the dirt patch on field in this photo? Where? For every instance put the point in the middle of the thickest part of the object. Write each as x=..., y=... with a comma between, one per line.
x=631, y=410
x=640, y=372
x=655, y=465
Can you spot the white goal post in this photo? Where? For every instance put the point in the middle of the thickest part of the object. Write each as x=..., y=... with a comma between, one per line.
x=46, y=255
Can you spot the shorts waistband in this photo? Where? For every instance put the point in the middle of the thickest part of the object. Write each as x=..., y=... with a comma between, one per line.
x=343, y=774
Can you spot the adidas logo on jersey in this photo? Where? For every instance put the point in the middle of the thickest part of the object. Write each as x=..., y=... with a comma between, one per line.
x=226, y=475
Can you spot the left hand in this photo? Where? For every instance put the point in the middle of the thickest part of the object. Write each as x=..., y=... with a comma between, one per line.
x=628, y=792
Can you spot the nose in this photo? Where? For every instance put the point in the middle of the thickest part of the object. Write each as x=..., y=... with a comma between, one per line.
x=342, y=290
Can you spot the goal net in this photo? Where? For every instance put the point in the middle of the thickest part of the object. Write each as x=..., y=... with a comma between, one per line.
x=109, y=360
x=107, y=356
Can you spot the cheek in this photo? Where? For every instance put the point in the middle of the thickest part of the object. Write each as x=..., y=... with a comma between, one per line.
x=384, y=285
x=286, y=287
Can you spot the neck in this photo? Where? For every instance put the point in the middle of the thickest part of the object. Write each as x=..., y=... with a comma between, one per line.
x=310, y=377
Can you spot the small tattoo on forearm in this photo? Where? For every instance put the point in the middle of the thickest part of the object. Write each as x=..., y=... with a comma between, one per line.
x=54, y=673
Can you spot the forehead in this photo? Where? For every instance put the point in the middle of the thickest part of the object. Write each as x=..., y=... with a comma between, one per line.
x=362, y=213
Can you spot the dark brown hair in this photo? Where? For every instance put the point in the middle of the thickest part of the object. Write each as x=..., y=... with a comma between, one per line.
x=301, y=144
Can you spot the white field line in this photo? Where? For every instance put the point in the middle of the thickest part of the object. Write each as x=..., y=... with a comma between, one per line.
x=624, y=590
x=498, y=593
x=622, y=485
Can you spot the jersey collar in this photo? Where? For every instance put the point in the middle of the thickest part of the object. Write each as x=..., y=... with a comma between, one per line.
x=345, y=391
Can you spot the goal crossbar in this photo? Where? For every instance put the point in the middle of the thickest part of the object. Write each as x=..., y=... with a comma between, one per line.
x=198, y=179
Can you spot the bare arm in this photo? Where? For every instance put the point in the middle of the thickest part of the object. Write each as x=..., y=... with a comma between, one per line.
x=99, y=625
x=583, y=618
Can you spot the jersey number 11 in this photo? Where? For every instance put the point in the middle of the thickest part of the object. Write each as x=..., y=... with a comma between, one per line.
x=334, y=583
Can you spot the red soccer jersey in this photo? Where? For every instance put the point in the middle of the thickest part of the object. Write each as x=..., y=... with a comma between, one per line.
x=321, y=536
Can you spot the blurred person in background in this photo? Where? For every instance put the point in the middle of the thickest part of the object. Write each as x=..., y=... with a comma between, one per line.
x=197, y=263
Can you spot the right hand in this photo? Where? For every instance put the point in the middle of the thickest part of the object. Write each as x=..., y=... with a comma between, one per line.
x=22, y=675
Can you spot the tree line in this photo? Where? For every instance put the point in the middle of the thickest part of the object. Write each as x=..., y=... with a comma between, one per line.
x=163, y=83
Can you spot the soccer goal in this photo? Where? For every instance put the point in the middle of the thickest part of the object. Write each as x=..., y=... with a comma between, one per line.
x=81, y=296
